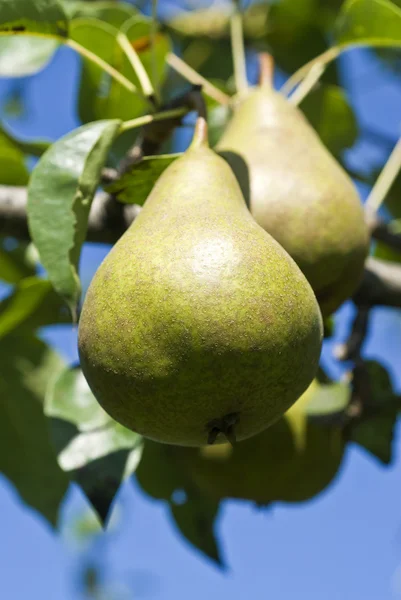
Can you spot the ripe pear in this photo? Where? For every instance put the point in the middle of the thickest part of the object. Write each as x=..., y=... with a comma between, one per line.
x=298, y=192
x=198, y=326
x=292, y=461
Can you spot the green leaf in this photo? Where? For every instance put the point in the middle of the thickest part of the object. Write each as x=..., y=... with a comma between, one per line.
x=25, y=55
x=29, y=294
x=33, y=16
x=163, y=475
x=375, y=22
x=13, y=170
x=135, y=186
x=100, y=96
x=330, y=113
x=34, y=148
x=374, y=431
x=14, y=264
x=60, y=194
x=97, y=452
x=376, y=435
x=109, y=12
x=27, y=458
x=195, y=516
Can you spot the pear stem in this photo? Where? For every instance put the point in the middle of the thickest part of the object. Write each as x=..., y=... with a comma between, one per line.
x=136, y=63
x=307, y=84
x=146, y=119
x=238, y=52
x=266, y=69
x=122, y=80
x=181, y=67
x=385, y=180
x=200, y=137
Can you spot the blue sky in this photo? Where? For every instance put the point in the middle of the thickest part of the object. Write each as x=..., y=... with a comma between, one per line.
x=344, y=545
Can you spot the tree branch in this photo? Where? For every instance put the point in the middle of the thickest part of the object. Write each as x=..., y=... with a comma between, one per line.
x=381, y=231
x=108, y=218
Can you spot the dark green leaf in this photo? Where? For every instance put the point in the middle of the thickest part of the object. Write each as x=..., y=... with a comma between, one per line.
x=27, y=458
x=14, y=264
x=330, y=113
x=34, y=148
x=100, y=96
x=36, y=16
x=24, y=55
x=109, y=12
x=374, y=431
x=376, y=436
x=60, y=194
x=134, y=187
x=163, y=475
x=13, y=170
x=97, y=452
x=369, y=22
x=195, y=516
x=26, y=298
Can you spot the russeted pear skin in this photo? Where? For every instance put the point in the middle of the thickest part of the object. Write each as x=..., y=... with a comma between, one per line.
x=198, y=323
x=298, y=193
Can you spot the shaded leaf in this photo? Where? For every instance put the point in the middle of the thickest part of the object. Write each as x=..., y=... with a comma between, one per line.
x=330, y=113
x=375, y=430
x=100, y=96
x=385, y=252
x=163, y=475
x=24, y=55
x=32, y=147
x=135, y=186
x=97, y=452
x=376, y=436
x=369, y=21
x=110, y=12
x=60, y=194
x=27, y=458
x=195, y=516
x=14, y=264
x=36, y=16
x=13, y=170
x=25, y=299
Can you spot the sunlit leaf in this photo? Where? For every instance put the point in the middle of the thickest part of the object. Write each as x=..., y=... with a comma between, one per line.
x=97, y=452
x=36, y=16
x=109, y=12
x=369, y=21
x=60, y=194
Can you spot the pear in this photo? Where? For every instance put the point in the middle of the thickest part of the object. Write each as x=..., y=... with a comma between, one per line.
x=298, y=192
x=292, y=461
x=198, y=326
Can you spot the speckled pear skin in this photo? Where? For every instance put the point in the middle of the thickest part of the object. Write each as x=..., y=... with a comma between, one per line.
x=197, y=314
x=299, y=193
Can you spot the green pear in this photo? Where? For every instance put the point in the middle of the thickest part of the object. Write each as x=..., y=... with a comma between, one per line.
x=292, y=461
x=198, y=326
x=298, y=192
